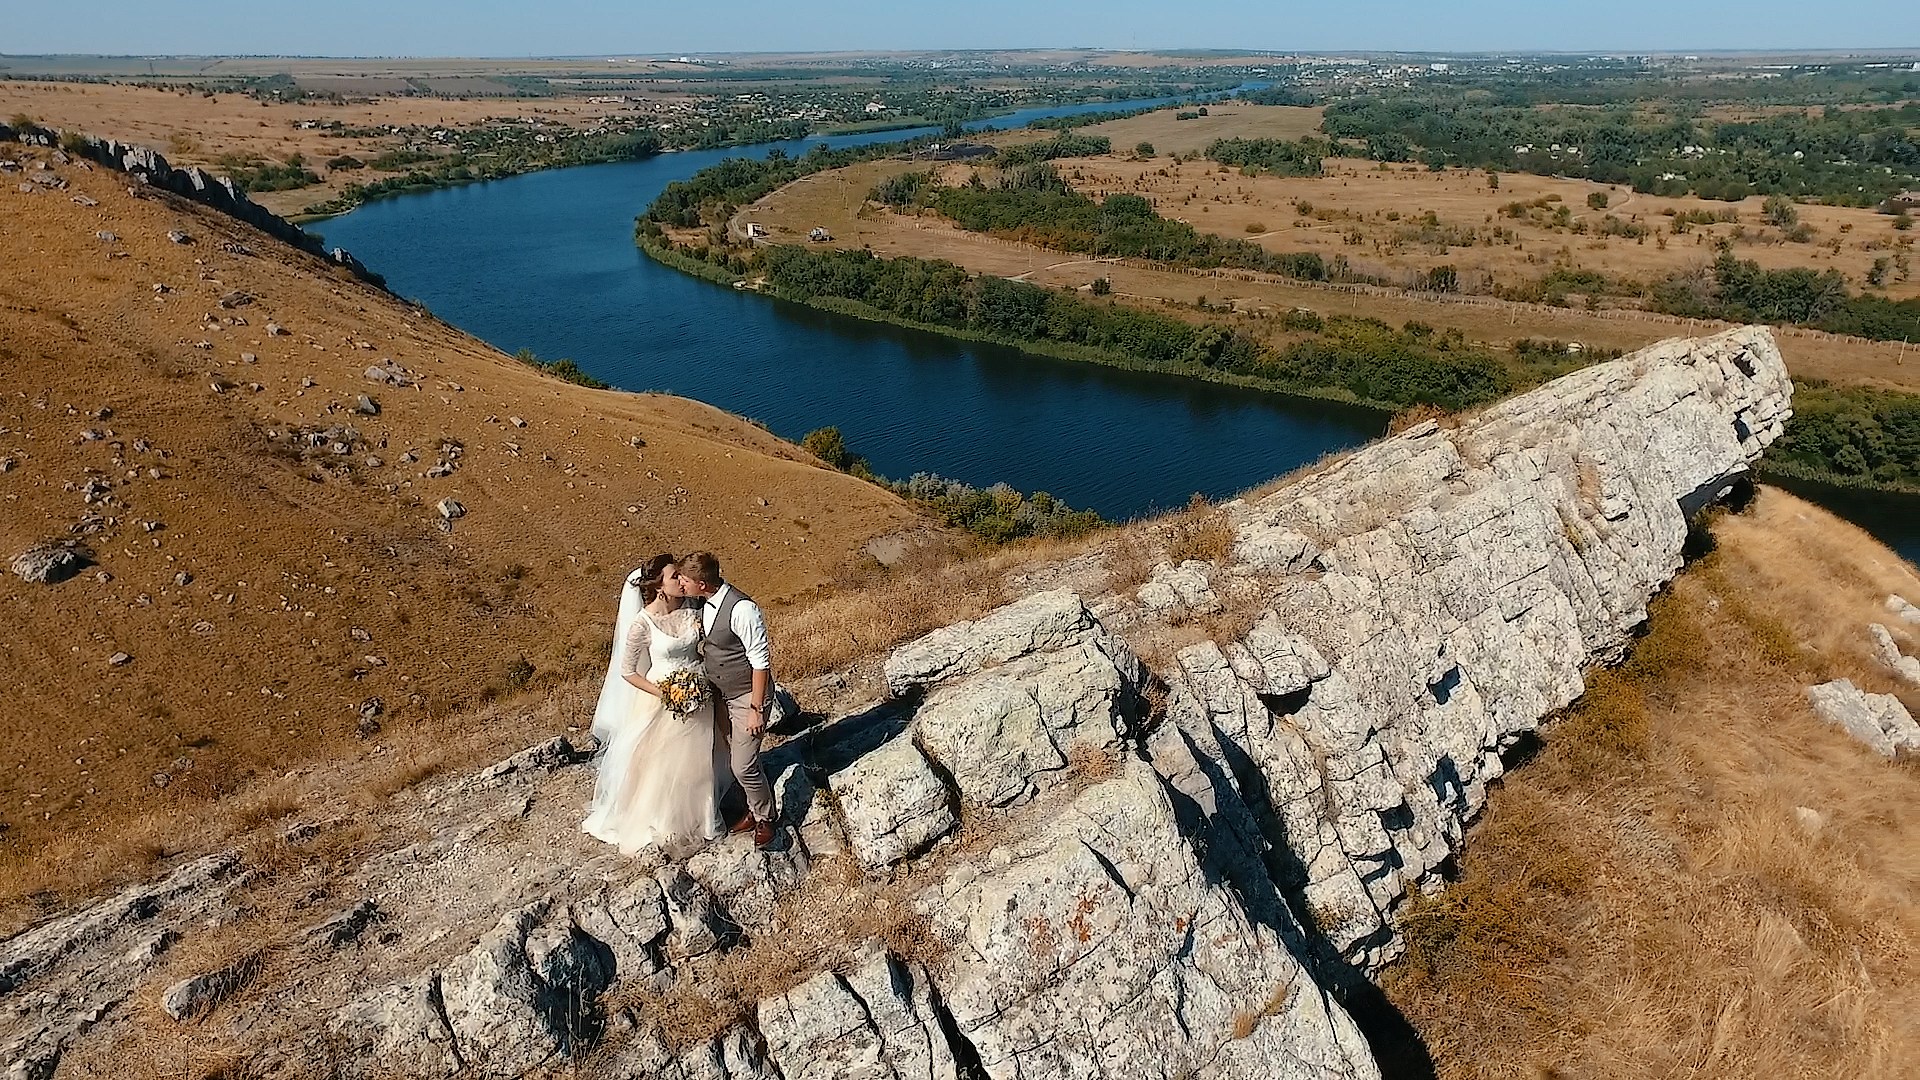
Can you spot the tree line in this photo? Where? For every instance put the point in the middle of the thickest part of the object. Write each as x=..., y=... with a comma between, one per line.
x=1363, y=360
x=1853, y=434
x=1032, y=203
x=1856, y=157
x=1739, y=290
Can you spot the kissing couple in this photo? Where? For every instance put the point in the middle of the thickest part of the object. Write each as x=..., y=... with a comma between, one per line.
x=682, y=712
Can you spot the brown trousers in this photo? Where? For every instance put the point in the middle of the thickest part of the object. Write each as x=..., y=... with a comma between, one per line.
x=731, y=717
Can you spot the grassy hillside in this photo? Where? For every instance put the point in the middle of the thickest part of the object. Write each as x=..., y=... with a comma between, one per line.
x=183, y=411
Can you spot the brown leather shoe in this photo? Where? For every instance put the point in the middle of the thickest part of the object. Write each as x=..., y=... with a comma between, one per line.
x=743, y=824
x=762, y=835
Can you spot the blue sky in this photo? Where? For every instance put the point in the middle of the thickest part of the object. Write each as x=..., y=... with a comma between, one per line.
x=590, y=27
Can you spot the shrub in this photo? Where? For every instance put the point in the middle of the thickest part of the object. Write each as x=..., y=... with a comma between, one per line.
x=829, y=446
x=1597, y=200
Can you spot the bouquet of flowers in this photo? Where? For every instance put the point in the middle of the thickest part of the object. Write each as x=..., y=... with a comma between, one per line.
x=684, y=691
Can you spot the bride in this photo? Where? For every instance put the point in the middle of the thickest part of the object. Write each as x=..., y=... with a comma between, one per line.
x=658, y=781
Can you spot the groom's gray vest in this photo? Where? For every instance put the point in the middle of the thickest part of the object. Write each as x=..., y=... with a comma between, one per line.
x=725, y=654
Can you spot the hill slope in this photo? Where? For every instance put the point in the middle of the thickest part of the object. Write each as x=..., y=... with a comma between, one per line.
x=270, y=557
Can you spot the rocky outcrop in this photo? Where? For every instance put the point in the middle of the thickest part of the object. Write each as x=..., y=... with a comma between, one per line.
x=149, y=167
x=1878, y=720
x=1060, y=862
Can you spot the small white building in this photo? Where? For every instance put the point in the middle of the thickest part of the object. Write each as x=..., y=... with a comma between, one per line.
x=874, y=108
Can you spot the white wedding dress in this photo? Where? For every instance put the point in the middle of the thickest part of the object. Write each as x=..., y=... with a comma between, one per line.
x=659, y=777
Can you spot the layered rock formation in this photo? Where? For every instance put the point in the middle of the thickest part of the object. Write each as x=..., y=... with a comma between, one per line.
x=149, y=167
x=1050, y=860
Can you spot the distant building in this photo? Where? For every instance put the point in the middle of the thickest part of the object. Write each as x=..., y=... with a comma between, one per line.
x=874, y=108
x=1906, y=200
x=818, y=234
x=756, y=231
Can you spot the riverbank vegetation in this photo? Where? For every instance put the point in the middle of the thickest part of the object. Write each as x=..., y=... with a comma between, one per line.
x=1032, y=204
x=1856, y=435
x=997, y=514
x=563, y=369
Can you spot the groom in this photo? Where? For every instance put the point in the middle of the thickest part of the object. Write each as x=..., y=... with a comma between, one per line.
x=738, y=663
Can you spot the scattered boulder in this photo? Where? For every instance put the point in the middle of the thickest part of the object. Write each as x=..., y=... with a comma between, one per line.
x=1887, y=651
x=1879, y=720
x=343, y=927
x=51, y=562
x=1906, y=612
x=450, y=509
x=1184, y=590
x=366, y=406
x=192, y=996
x=179, y=237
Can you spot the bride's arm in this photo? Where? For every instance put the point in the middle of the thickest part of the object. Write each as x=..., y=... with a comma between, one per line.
x=635, y=659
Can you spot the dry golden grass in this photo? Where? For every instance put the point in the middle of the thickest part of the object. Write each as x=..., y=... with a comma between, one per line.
x=1223, y=121
x=1202, y=533
x=839, y=626
x=1643, y=898
x=1231, y=202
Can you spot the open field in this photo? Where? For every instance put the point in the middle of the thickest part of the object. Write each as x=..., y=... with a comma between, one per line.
x=264, y=587
x=195, y=129
x=836, y=200
x=1377, y=219
x=1225, y=120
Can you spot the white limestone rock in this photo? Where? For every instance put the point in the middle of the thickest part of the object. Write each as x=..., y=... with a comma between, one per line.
x=1186, y=589
x=893, y=805
x=1101, y=945
x=877, y=1021
x=1043, y=622
x=1887, y=651
x=1903, y=610
x=1879, y=720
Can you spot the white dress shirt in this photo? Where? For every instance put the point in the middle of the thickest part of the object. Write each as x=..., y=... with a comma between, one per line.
x=747, y=623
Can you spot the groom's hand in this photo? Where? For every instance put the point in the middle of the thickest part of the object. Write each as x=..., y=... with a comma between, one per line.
x=756, y=720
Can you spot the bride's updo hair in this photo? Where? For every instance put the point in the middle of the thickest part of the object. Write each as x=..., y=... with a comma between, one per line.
x=647, y=578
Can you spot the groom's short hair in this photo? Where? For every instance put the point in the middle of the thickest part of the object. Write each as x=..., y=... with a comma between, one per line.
x=703, y=567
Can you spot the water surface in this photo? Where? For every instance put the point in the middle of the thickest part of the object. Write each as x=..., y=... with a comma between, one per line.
x=547, y=262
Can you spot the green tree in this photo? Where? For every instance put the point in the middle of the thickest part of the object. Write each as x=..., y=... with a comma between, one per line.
x=1597, y=200
x=1102, y=286
x=1144, y=149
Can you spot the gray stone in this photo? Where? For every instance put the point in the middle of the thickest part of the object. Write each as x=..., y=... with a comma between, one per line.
x=508, y=1000
x=1102, y=940
x=200, y=993
x=1039, y=623
x=49, y=563
x=1887, y=651
x=179, y=237
x=450, y=509
x=1904, y=611
x=366, y=406
x=1184, y=590
x=877, y=1021
x=1879, y=720
x=344, y=927
x=893, y=805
